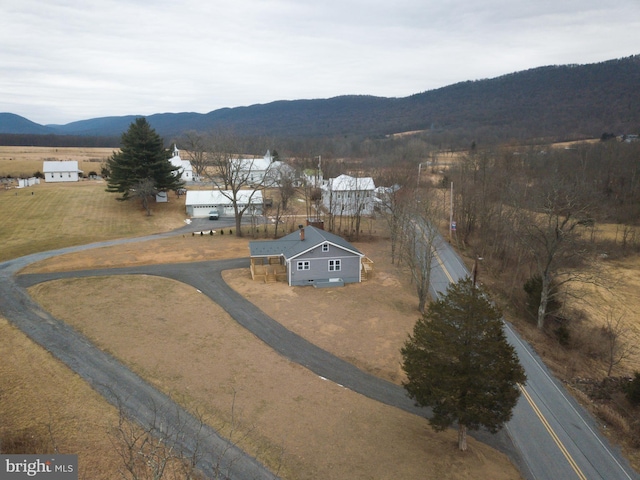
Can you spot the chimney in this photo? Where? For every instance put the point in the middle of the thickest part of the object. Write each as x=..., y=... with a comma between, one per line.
x=301, y=227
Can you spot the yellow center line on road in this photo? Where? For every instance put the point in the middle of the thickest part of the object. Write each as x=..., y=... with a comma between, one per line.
x=535, y=408
x=444, y=269
x=555, y=438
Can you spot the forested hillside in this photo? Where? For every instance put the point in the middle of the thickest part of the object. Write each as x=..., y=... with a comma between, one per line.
x=554, y=103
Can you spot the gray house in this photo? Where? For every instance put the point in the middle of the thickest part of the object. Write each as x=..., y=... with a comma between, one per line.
x=310, y=256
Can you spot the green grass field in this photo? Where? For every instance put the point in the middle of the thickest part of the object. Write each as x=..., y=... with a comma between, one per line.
x=50, y=216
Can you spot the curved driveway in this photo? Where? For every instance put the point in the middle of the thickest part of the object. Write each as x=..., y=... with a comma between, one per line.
x=143, y=402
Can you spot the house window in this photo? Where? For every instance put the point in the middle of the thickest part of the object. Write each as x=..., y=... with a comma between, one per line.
x=325, y=247
x=334, y=265
x=304, y=265
x=60, y=175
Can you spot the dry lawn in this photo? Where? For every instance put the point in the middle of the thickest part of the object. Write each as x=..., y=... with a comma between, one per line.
x=50, y=216
x=45, y=405
x=187, y=346
x=25, y=161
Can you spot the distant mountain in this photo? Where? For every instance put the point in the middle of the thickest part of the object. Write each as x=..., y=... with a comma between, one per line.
x=11, y=123
x=569, y=101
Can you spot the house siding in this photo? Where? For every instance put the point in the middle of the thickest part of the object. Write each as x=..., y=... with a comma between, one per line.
x=319, y=266
x=61, y=177
x=61, y=171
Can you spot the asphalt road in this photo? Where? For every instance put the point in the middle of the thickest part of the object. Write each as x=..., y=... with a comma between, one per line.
x=555, y=437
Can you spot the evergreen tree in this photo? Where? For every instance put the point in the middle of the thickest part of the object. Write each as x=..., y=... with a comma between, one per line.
x=142, y=158
x=459, y=363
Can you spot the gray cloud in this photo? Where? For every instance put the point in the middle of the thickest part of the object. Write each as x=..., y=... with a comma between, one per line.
x=70, y=60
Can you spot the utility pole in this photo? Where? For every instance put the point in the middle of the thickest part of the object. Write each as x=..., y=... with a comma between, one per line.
x=474, y=274
x=451, y=215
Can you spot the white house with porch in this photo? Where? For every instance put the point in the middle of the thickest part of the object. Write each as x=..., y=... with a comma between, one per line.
x=61, y=171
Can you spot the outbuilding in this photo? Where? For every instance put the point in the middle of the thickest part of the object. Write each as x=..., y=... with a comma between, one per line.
x=200, y=202
x=61, y=171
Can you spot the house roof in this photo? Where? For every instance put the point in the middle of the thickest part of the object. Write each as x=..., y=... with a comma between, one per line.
x=345, y=183
x=254, y=164
x=60, y=166
x=291, y=246
x=217, y=197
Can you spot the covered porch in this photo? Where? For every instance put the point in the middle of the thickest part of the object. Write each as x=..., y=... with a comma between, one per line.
x=268, y=269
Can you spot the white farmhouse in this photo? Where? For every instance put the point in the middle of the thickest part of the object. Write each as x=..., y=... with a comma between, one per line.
x=254, y=170
x=61, y=171
x=184, y=166
x=200, y=202
x=346, y=195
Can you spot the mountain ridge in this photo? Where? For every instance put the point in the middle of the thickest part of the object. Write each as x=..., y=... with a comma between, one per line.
x=558, y=100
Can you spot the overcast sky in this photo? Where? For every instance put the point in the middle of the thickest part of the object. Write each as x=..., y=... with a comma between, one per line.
x=67, y=60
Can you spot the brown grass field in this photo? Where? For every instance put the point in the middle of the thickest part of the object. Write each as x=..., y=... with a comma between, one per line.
x=25, y=161
x=188, y=347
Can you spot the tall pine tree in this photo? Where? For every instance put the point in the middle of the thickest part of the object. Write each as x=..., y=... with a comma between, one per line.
x=142, y=159
x=459, y=363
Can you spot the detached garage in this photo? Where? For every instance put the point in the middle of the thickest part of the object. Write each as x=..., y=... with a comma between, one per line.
x=200, y=202
x=61, y=171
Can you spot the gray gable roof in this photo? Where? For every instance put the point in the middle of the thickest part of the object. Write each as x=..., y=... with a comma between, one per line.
x=291, y=246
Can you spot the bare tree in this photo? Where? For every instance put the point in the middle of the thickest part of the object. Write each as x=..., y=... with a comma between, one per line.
x=394, y=204
x=237, y=178
x=195, y=144
x=617, y=344
x=145, y=190
x=149, y=452
x=284, y=179
x=419, y=250
x=168, y=443
x=551, y=235
x=349, y=198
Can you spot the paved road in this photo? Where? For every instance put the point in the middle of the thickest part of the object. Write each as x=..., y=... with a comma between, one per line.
x=556, y=438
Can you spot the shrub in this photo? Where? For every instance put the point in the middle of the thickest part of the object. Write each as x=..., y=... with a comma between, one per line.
x=562, y=335
x=633, y=390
